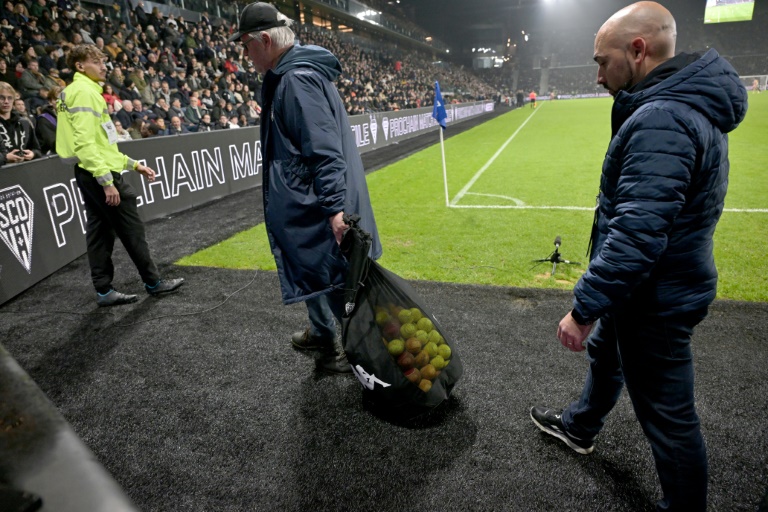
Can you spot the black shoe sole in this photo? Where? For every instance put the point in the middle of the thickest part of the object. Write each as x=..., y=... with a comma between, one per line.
x=166, y=292
x=324, y=347
x=118, y=303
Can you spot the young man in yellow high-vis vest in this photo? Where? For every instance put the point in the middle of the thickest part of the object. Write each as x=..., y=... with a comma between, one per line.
x=87, y=139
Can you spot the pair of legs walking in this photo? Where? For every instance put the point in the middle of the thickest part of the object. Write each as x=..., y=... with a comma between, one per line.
x=324, y=312
x=105, y=223
x=652, y=356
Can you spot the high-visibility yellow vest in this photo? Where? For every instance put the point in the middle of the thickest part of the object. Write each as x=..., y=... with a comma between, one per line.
x=81, y=131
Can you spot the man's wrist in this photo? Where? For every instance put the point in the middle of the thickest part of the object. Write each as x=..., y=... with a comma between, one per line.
x=579, y=319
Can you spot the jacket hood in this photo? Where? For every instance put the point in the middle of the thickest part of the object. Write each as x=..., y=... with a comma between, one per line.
x=708, y=84
x=311, y=56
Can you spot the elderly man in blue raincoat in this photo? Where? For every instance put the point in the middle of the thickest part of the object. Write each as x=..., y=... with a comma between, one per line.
x=313, y=174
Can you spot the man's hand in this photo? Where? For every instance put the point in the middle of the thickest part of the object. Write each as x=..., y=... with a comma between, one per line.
x=28, y=154
x=146, y=171
x=572, y=334
x=113, y=196
x=338, y=226
x=14, y=156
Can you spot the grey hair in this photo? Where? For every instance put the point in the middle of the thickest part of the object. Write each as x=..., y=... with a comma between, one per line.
x=281, y=36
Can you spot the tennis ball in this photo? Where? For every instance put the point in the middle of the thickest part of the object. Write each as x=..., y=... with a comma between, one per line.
x=431, y=349
x=422, y=336
x=404, y=316
x=425, y=385
x=413, y=375
x=416, y=314
x=444, y=351
x=435, y=337
x=405, y=361
x=421, y=359
x=438, y=362
x=382, y=317
x=396, y=347
x=391, y=329
x=408, y=330
x=413, y=345
x=424, y=324
x=429, y=372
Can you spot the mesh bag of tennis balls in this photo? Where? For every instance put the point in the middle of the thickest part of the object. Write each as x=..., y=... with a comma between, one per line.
x=404, y=359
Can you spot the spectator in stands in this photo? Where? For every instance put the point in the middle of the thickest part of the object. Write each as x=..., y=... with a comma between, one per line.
x=18, y=142
x=110, y=202
x=161, y=110
x=205, y=124
x=141, y=15
x=223, y=123
x=46, y=123
x=652, y=274
x=250, y=110
x=176, y=127
x=6, y=54
x=175, y=108
x=136, y=128
x=162, y=126
x=20, y=108
x=31, y=80
x=7, y=75
x=140, y=111
x=109, y=95
x=299, y=91
x=194, y=113
x=38, y=7
x=125, y=114
x=122, y=133
x=55, y=78
x=164, y=92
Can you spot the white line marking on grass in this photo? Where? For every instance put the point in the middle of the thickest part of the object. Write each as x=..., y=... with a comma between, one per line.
x=515, y=200
x=479, y=173
x=580, y=208
x=522, y=207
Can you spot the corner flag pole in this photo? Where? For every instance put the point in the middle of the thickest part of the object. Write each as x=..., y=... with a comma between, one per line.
x=445, y=173
x=440, y=115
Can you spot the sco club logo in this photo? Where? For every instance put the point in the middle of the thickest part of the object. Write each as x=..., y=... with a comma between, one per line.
x=16, y=221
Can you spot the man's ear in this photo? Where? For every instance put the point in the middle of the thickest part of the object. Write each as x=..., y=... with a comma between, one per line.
x=639, y=49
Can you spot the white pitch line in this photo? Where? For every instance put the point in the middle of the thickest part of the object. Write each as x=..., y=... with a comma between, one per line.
x=515, y=200
x=489, y=162
x=522, y=207
x=581, y=208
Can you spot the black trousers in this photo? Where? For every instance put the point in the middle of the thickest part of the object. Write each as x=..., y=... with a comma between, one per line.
x=107, y=222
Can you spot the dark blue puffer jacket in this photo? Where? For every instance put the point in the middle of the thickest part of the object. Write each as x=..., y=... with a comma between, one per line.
x=662, y=192
x=312, y=171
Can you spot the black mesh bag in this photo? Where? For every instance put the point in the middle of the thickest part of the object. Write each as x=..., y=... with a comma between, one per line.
x=404, y=359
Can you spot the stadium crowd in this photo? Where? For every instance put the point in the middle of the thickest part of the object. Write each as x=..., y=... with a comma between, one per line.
x=167, y=76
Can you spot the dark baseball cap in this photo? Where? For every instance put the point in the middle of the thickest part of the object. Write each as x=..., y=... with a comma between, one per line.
x=256, y=17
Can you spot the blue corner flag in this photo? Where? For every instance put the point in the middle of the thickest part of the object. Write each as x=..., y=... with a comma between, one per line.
x=438, y=112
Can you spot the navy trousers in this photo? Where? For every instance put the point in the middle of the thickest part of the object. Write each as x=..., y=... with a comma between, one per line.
x=652, y=356
x=324, y=311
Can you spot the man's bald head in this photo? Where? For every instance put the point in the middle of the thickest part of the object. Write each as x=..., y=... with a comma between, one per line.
x=648, y=20
x=632, y=43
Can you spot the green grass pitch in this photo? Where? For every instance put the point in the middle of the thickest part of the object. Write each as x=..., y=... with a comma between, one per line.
x=726, y=13
x=516, y=182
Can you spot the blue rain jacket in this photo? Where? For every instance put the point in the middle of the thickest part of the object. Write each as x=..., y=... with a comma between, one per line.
x=312, y=170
